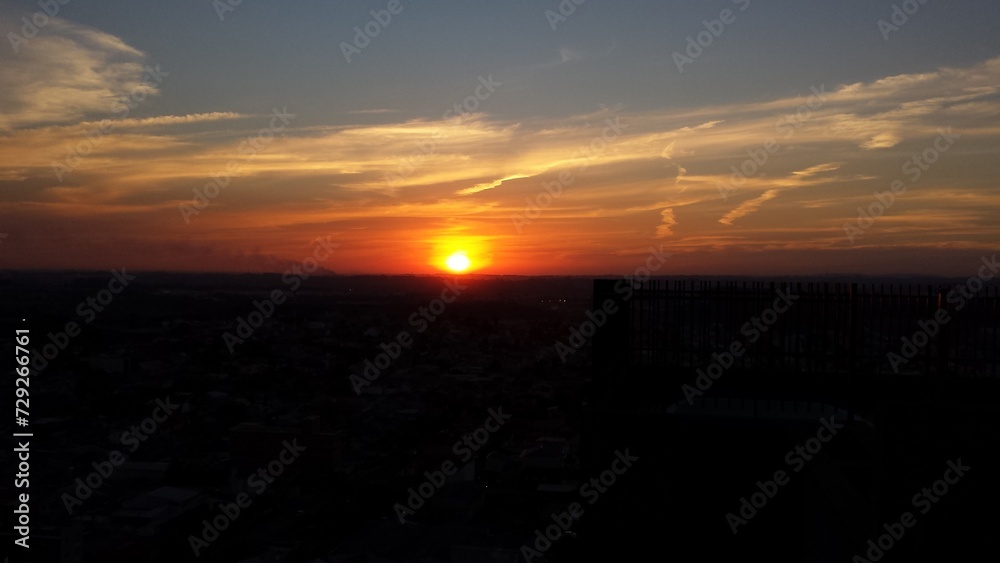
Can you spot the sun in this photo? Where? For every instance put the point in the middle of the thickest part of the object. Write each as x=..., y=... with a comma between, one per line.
x=459, y=253
x=458, y=262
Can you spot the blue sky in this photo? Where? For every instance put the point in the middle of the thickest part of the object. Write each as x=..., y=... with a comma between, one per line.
x=267, y=53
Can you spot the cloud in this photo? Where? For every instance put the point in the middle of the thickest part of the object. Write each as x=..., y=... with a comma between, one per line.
x=748, y=207
x=662, y=171
x=818, y=169
x=797, y=179
x=488, y=185
x=668, y=153
x=66, y=73
x=665, y=229
x=174, y=119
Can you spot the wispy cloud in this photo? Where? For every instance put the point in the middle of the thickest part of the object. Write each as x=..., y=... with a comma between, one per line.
x=748, y=207
x=665, y=228
x=67, y=73
x=377, y=111
x=488, y=185
x=658, y=179
x=818, y=169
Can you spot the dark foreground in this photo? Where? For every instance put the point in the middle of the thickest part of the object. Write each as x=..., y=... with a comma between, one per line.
x=252, y=419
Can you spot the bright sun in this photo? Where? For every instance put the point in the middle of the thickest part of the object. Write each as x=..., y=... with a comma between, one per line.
x=458, y=253
x=458, y=262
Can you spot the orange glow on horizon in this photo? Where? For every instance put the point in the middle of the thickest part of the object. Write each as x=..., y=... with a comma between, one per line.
x=460, y=254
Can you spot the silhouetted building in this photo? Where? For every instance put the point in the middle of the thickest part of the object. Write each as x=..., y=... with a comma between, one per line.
x=715, y=385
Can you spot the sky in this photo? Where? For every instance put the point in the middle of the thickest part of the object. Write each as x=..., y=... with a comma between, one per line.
x=741, y=137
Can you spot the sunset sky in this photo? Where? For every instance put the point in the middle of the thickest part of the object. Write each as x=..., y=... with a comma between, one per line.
x=638, y=151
